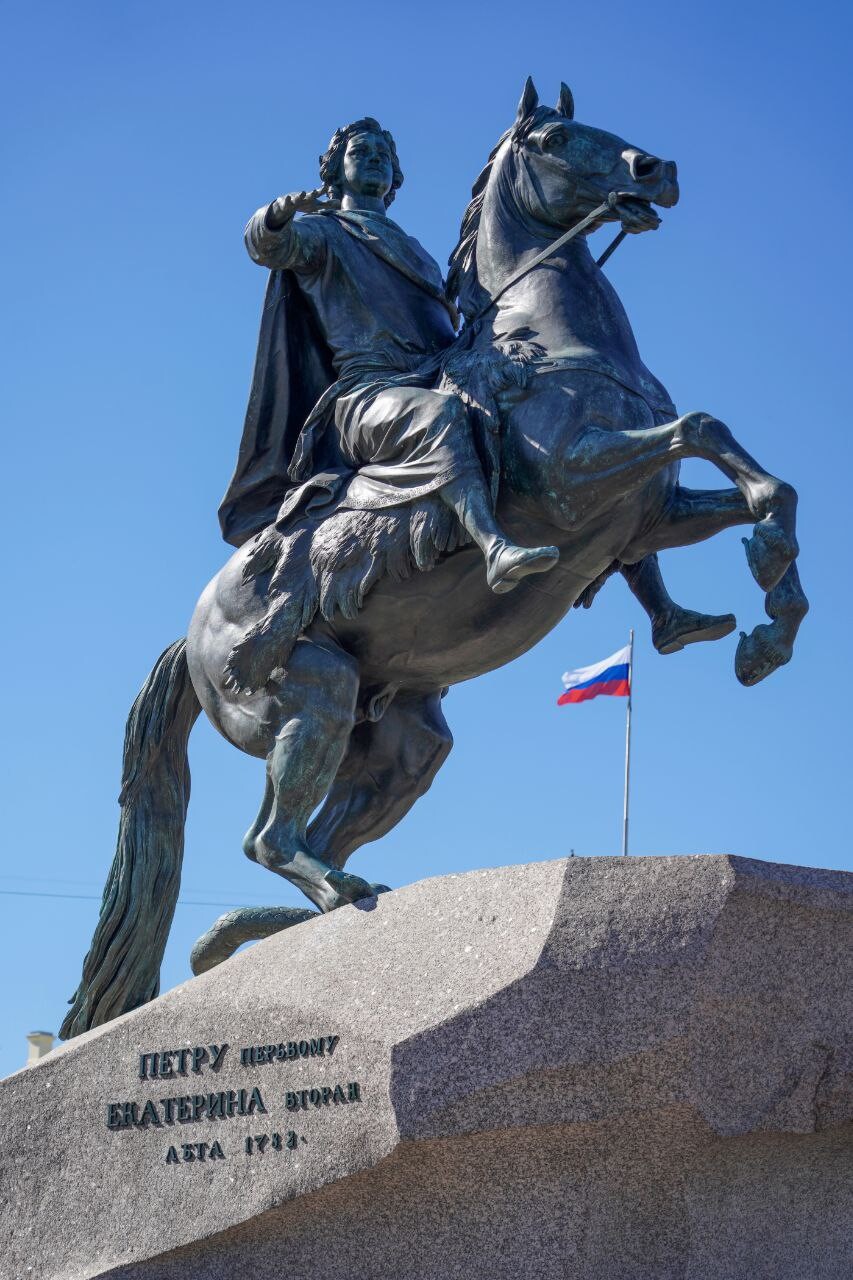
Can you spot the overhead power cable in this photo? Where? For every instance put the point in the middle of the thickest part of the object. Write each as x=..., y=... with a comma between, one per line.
x=97, y=897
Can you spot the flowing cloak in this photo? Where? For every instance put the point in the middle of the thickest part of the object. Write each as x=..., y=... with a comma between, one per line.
x=293, y=370
x=294, y=386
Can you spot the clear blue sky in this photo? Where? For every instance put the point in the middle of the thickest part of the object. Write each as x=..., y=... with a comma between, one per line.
x=141, y=137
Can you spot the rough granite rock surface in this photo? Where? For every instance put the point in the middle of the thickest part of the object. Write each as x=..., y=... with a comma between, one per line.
x=596, y=1068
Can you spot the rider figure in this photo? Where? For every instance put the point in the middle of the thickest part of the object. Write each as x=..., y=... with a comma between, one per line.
x=378, y=299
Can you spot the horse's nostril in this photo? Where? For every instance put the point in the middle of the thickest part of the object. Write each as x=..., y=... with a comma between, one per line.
x=644, y=166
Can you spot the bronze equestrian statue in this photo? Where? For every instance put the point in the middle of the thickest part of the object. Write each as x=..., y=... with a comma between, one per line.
x=383, y=458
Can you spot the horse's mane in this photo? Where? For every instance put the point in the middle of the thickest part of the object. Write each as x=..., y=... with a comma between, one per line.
x=462, y=282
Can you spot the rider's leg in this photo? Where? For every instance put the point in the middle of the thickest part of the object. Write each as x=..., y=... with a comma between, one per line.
x=388, y=766
x=506, y=563
x=672, y=626
x=316, y=702
x=402, y=437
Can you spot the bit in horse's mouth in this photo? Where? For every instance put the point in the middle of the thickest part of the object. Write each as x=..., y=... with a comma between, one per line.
x=636, y=214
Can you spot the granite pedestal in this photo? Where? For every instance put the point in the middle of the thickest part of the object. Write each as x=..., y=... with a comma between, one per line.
x=597, y=1068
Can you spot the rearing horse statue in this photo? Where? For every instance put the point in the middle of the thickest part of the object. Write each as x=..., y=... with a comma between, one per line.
x=349, y=717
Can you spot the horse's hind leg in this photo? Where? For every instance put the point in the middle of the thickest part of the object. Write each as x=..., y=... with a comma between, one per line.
x=250, y=839
x=315, y=709
x=388, y=766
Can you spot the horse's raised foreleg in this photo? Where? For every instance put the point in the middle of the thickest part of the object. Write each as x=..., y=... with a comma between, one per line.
x=602, y=466
x=695, y=514
x=691, y=515
x=772, y=502
x=388, y=766
x=316, y=714
x=770, y=645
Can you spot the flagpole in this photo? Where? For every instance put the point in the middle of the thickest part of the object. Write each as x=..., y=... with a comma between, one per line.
x=628, y=744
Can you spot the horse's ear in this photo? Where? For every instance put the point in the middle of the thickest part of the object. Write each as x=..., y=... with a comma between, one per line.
x=566, y=103
x=529, y=100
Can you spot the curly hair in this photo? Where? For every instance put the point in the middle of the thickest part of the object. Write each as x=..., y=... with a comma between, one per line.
x=332, y=159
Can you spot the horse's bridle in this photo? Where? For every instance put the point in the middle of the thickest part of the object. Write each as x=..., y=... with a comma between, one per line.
x=608, y=205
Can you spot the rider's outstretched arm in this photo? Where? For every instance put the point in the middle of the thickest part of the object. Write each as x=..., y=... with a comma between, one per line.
x=274, y=238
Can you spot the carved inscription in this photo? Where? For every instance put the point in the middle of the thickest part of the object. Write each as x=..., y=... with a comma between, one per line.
x=289, y=1051
x=179, y=1062
x=188, y=1109
x=275, y=1141
x=224, y=1104
x=294, y=1099
x=195, y=1151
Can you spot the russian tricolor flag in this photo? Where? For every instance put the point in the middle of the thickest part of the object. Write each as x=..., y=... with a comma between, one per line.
x=612, y=676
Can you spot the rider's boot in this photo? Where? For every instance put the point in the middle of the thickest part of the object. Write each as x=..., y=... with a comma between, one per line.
x=672, y=626
x=506, y=563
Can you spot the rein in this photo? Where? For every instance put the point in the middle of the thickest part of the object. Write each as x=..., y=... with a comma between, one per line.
x=552, y=248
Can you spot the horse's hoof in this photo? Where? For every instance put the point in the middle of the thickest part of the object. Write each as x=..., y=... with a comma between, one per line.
x=760, y=653
x=769, y=553
x=686, y=627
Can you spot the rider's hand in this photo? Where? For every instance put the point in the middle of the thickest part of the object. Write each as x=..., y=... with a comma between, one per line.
x=283, y=209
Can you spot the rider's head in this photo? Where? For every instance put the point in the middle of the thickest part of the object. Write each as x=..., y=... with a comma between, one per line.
x=361, y=160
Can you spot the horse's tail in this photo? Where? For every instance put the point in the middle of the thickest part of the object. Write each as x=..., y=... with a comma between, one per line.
x=122, y=969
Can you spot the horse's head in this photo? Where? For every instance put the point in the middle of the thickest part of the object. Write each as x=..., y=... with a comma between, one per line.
x=546, y=174
x=565, y=169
